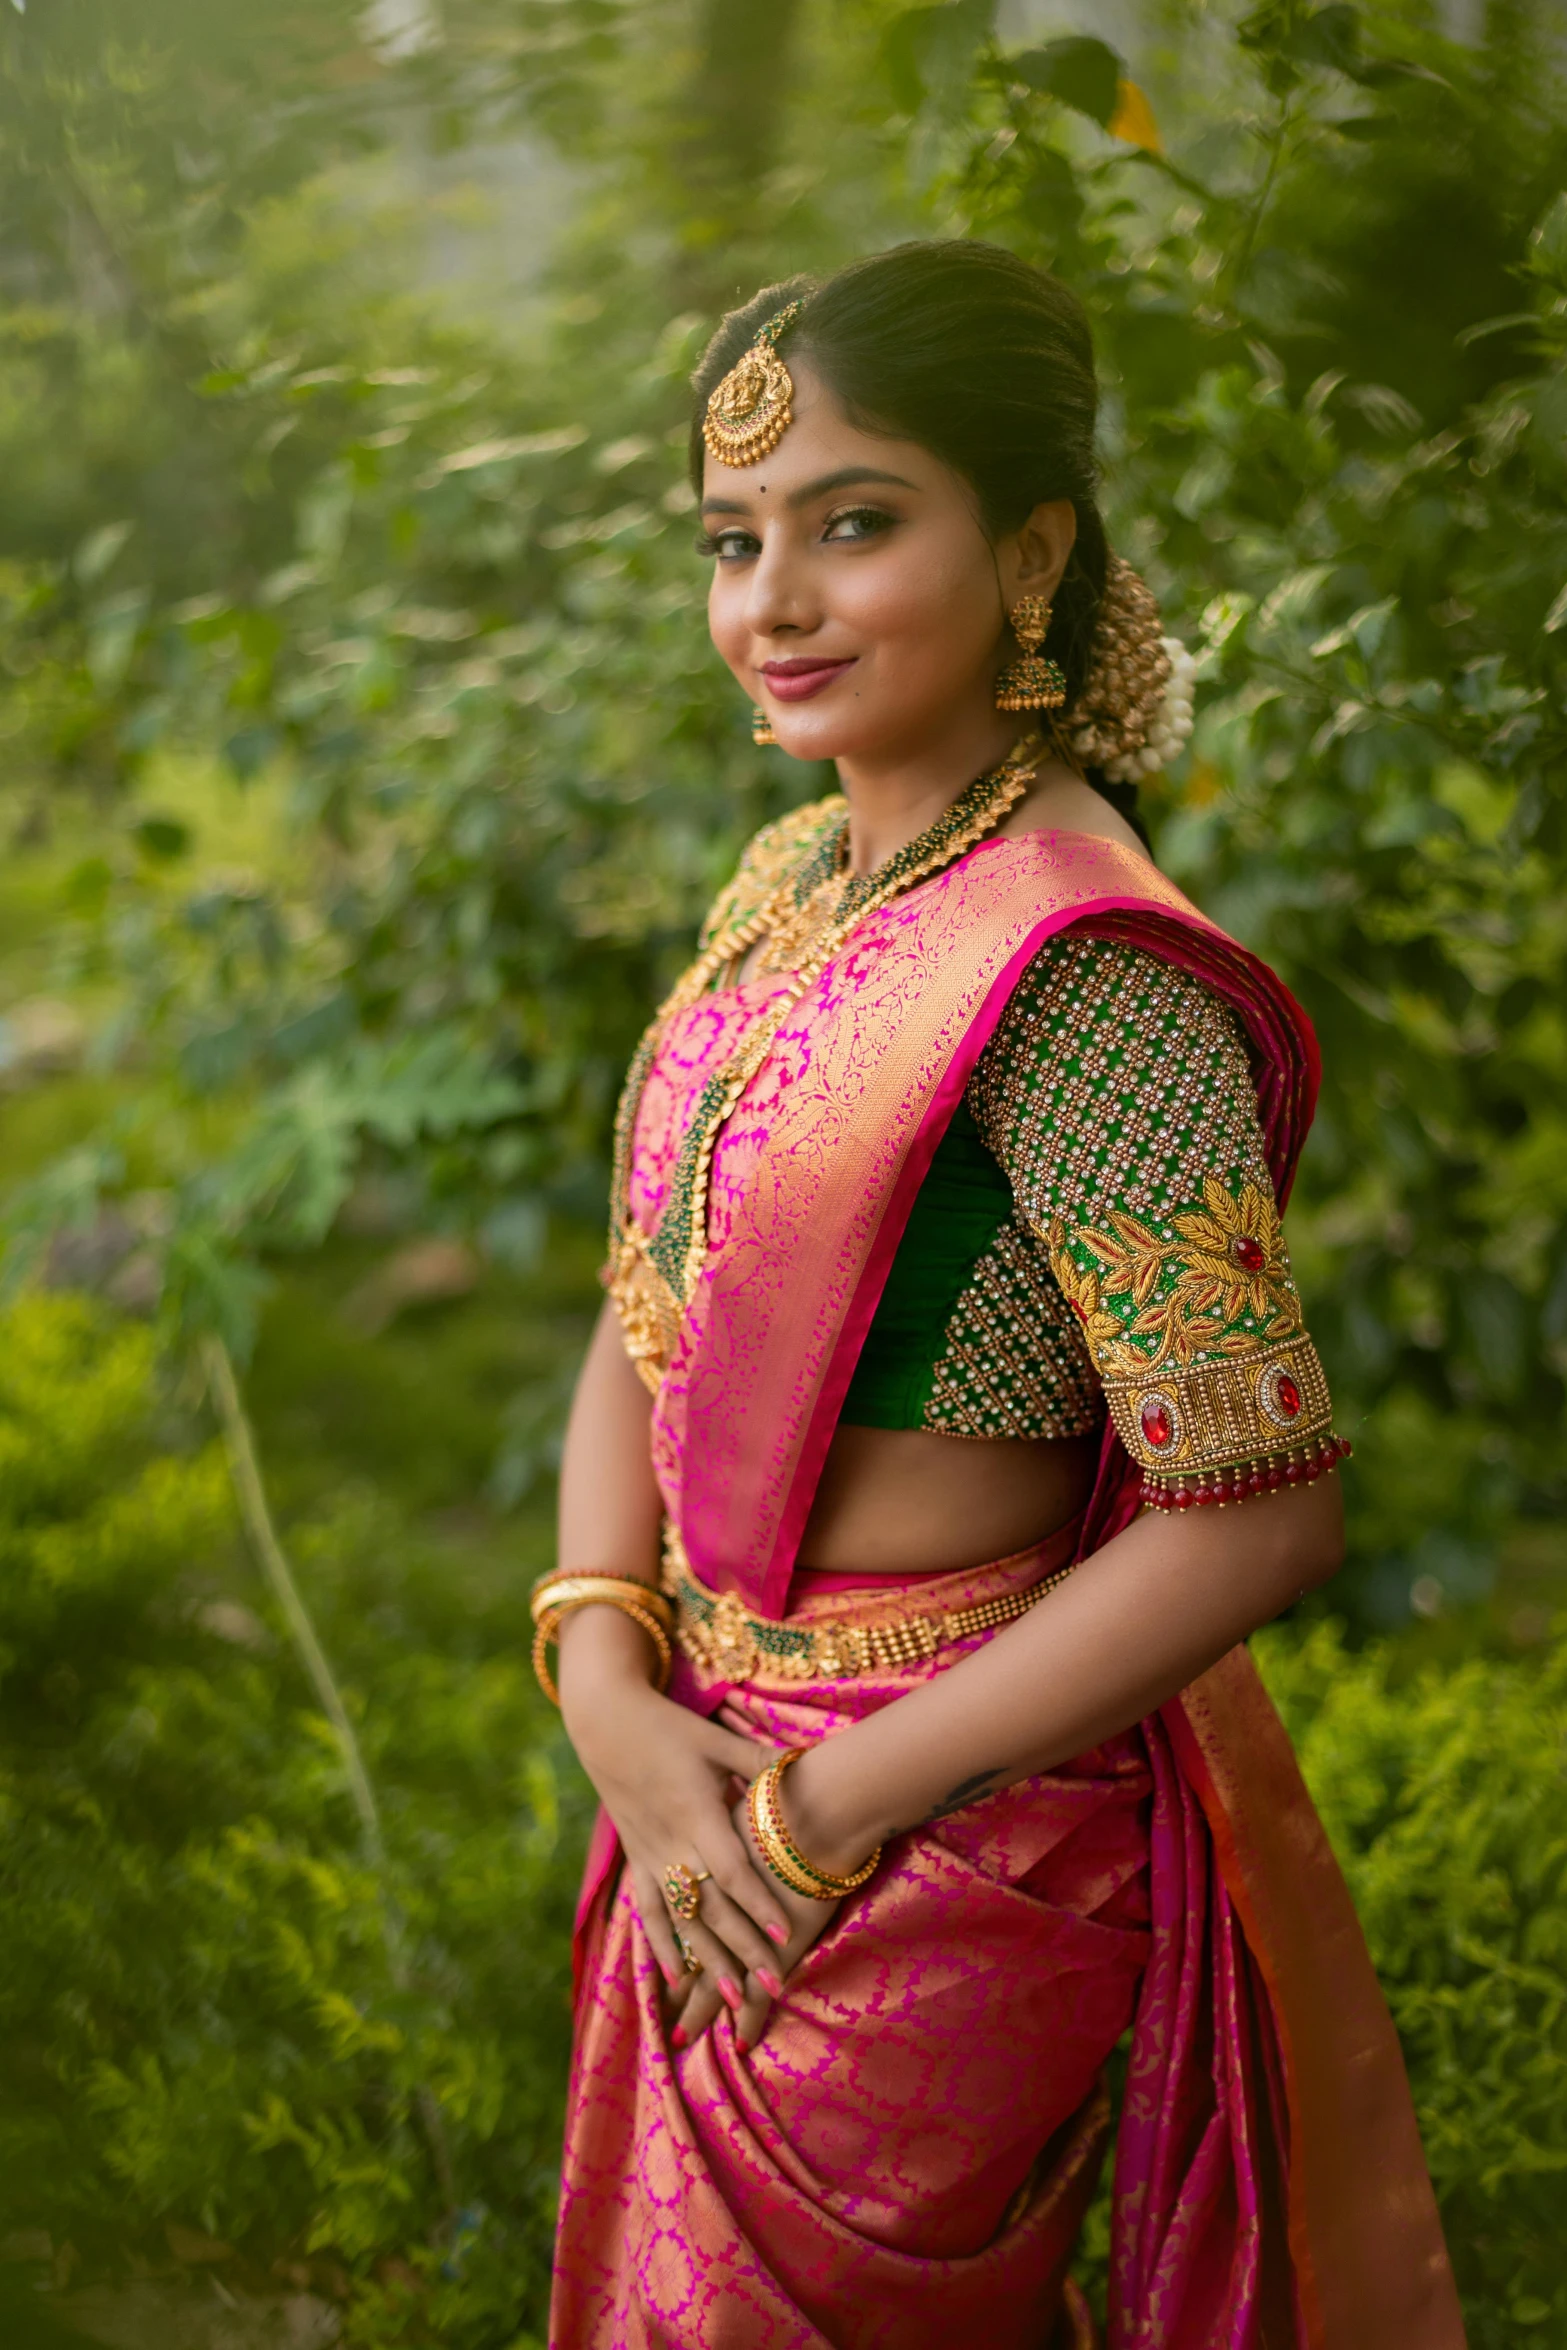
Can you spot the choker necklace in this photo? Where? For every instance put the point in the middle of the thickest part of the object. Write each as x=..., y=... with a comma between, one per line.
x=819, y=900
x=822, y=897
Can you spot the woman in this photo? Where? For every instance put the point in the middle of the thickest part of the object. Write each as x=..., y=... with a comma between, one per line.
x=948, y=1297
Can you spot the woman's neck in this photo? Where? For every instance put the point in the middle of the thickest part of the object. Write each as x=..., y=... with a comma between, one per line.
x=893, y=800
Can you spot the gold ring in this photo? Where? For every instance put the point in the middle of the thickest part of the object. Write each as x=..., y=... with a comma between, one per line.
x=688, y=1957
x=682, y=1889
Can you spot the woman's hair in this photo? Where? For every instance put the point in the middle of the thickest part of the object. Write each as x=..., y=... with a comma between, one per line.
x=980, y=358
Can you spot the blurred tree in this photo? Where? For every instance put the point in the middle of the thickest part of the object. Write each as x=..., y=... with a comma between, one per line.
x=740, y=92
x=198, y=2019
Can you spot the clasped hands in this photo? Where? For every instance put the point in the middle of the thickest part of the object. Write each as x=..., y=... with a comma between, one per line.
x=672, y=1783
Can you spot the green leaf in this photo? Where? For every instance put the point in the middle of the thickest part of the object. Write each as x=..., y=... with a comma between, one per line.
x=1080, y=71
x=927, y=52
x=98, y=550
x=163, y=837
x=1548, y=242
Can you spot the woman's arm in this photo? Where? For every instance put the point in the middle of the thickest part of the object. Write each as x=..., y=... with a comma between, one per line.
x=1139, y=1620
x=665, y=1776
x=610, y=1507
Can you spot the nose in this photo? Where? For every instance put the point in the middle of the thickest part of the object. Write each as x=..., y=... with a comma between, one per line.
x=780, y=596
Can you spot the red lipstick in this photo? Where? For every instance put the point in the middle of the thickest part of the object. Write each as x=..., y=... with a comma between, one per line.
x=797, y=680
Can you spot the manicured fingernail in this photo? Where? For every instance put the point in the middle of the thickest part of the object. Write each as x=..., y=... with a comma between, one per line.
x=677, y=2038
x=742, y=2047
x=778, y=1934
x=671, y=1976
x=729, y=1992
x=769, y=1981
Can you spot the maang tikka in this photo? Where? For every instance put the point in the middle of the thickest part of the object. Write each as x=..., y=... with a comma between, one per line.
x=1034, y=682
x=751, y=410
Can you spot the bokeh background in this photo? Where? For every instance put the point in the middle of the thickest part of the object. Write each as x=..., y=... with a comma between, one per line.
x=365, y=771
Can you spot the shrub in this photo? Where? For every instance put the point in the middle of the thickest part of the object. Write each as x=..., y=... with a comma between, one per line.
x=197, y=2019
x=1444, y=1799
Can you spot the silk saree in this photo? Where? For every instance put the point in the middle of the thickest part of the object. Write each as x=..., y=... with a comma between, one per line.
x=905, y=2159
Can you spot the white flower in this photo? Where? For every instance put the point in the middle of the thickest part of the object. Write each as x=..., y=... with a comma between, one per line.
x=1169, y=724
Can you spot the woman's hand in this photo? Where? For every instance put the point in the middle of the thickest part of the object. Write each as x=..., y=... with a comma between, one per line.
x=670, y=1780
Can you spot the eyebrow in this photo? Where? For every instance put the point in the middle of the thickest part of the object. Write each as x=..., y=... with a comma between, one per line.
x=845, y=478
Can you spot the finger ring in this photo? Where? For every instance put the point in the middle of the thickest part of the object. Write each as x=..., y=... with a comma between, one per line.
x=681, y=1889
x=688, y=1957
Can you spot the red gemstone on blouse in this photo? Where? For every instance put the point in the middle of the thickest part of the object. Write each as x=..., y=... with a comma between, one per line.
x=1249, y=1254
x=1287, y=1396
x=1158, y=1427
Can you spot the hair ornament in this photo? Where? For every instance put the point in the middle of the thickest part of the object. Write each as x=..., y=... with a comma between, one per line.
x=1134, y=714
x=751, y=410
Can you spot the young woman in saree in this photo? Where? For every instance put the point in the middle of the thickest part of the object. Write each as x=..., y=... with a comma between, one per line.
x=951, y=1425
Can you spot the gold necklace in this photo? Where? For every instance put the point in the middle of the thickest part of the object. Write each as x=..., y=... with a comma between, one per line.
x=819, y=895
x=799, y=908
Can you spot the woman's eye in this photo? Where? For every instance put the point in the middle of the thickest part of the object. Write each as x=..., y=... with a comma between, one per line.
x=858, y=522
x=730, y=546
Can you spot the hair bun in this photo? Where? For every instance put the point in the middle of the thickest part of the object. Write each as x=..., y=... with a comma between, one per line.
x=1134, y=713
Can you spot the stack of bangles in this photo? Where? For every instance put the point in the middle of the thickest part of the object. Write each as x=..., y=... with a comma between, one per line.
x=779, y=1849
x=557, y=1596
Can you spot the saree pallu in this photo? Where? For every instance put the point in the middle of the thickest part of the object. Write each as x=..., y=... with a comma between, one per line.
x=905, y=2159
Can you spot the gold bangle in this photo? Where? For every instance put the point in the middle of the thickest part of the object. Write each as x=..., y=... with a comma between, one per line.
x=556, y=1589
x=557, y=1596
x=764, y=1806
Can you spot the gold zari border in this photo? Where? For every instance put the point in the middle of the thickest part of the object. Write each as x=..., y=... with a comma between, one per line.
x=1223, y=1412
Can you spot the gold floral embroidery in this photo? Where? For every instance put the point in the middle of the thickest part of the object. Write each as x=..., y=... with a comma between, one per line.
x=1237, y=1245
x=1193, y=1287
x=1080, y=1288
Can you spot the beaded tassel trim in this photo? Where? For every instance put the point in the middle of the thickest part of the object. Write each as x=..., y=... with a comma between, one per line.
x=1247, y=1480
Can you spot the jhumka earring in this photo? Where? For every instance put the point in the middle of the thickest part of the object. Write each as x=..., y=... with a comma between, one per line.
x=761, y=726
x=1034, y=682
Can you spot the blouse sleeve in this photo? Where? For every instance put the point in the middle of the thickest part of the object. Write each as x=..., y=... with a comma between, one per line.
x=1117, y=1095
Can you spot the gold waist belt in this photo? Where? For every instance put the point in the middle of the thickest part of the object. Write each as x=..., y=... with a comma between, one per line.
x=716, y=1631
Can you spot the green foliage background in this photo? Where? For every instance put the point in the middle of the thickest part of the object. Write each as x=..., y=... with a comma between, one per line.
x=366, y=772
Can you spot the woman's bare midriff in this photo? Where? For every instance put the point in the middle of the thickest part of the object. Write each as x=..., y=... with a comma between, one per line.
x=909, y=1500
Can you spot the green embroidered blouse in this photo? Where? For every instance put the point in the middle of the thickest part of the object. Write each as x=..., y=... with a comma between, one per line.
x=1098, y=1226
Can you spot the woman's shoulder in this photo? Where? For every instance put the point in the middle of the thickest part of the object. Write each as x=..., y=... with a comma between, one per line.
x=1060, y=801
x=768, y=858
x=1079, y=979
x=1111, y=1026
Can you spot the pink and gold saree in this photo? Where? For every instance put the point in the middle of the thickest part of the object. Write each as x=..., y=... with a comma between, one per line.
x=905, y=2160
